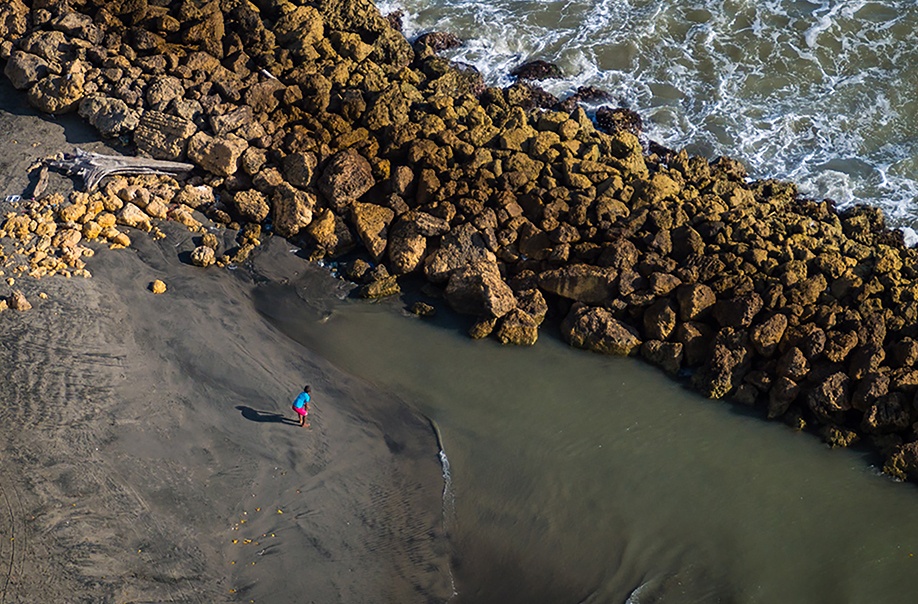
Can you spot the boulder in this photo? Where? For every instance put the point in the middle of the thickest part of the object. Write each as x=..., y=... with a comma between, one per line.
x=406, y=246
x=163, y=136
x=517, y=327
x=532, y=302
x=111, y=117
x=738, y=312
x=372, y=222
x=783, y=392
x=766, y=335
x=292, y=209
x=793, y=365
x=437, y=41
x=666, y=355
x=218, y=155
x=829, y=399
x=598, y=330
x=132, y=216
x=251, y=205
x=694, y=300
x=478, y=289
x=727, y=365
x=59, y=94
x=25, y=69
x=464, y=245
x=13, y=18
x=888, y=414
x=163, y=91
x=903, y=462
x=346, y=177
x=203, y=256
x=299, y=169
x=536, y=70
x=299, y=29
x=330, y=233
x=381, y=287
x=581, y=282
x=660, y=321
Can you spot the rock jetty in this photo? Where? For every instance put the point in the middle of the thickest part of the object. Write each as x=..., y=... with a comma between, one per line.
x=321, y=122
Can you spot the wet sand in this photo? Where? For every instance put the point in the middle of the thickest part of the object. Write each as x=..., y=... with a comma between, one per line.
x=150, y=452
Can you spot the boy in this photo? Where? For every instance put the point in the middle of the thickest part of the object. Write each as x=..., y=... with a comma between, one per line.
x=301, y=406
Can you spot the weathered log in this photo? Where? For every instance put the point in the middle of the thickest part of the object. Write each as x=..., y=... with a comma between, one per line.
x=93, y=167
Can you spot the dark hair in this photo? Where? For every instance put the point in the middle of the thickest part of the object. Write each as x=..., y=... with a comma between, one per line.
x=306, y=389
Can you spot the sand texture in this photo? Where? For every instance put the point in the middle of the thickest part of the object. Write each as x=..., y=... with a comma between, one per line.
x=149, y=450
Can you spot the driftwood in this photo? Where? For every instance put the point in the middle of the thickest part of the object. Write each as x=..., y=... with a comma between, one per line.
x=93, y=167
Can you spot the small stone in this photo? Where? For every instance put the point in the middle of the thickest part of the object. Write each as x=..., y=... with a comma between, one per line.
x=18, y=301
x=423, y=309
x=158, y=287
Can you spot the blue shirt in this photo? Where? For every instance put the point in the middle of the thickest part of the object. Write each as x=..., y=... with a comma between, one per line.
x=301, y=400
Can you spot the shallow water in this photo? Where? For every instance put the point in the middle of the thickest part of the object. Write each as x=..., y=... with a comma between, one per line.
x=822, y=92
x=582, y=478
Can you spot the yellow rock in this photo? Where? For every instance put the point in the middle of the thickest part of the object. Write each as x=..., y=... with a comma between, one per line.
x=158, y=287
x=91, y=230
x=106, y=219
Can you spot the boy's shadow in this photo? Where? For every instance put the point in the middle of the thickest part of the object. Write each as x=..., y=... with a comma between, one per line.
x=264, y=416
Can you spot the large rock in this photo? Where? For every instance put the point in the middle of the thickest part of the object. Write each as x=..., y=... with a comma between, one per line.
x=518, y=327
x=111, y=117
x=461, y=247
x=766, y=335
x=292, y=209
x=299, y=29
x=660, y=320
x=251, y=205
x=727, y=365
x=346, y=177
x=406, y=246
x=694, y=300
x=13, y=19
x=163, y=136
x=59, y=94
x=372, y=224
x=829, y=399
x=598, y=330
x=738, y=312
x=478, y=289
x=330, y=233
x=218, y=155
x=203, y=256
x=25, y=69
x=903, y=462
x=132, y=216
x=581, y=282
x=299, y=169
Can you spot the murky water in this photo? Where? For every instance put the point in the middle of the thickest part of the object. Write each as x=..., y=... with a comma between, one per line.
x=582, y=478
x=822, y=92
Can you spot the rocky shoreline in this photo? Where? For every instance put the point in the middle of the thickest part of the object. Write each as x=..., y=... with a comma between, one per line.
x=321, y=123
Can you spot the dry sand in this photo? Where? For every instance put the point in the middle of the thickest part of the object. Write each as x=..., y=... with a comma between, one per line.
x=149, y=452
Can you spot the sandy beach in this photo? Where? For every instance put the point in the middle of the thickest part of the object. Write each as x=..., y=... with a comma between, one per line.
x=150, y=453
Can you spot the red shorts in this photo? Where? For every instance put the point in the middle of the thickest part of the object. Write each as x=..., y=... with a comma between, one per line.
x=301, y=411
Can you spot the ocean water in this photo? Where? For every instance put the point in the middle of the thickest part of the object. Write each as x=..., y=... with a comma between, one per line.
x=824, y=93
